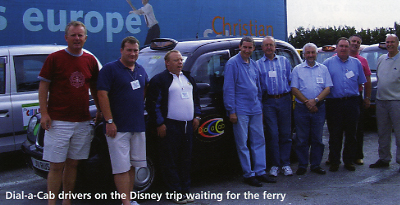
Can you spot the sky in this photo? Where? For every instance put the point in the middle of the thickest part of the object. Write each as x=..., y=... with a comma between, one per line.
x=362, y=14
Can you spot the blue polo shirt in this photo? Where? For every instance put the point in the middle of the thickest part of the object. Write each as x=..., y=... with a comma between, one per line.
x=346, y=76
x=127, y=104
x=279, y=66
x=310, y=81
x=242, y=89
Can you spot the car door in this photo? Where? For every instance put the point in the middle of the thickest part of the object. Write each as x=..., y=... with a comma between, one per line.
x=6, y=124
x=24, y=97
x=208, y=72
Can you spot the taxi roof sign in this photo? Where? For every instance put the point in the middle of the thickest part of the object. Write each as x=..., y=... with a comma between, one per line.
x=163, y=44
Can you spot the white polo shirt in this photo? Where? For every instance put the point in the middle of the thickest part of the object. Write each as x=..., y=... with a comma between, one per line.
x=180, y=99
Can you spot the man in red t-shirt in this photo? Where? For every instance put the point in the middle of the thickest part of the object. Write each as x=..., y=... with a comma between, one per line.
x=355, y=42
x=65, y=79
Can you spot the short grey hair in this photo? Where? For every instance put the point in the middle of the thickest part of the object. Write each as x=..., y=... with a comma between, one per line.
x=270, y=37
x=310, y=45
x=392, y=35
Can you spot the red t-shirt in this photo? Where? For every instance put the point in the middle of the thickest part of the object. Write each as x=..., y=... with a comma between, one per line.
x=70, y=78
x=364, y=63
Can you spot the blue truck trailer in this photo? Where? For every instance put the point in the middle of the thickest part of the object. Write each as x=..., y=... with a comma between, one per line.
x=109, y=21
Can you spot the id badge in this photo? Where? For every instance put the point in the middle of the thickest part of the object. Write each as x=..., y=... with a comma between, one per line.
x=272, y=74
x=349, y=74
x=320, y=80
x=185, y=95
x=135, y=84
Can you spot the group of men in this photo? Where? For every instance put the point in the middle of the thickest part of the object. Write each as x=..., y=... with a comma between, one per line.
x=338, y=90
x=253, y=92
x=118, y=90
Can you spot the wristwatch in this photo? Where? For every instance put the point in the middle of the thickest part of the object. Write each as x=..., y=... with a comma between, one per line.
x=110, y=121
x=199, y=118
x=316, y=100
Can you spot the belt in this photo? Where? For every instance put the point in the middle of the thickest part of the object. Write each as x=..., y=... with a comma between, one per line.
x=277, y=96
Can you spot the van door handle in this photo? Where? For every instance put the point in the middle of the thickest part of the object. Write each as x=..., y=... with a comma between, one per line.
x=4, y=113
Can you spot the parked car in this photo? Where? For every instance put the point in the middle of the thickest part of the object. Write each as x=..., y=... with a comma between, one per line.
x=325, y=52
x=213, y=144
x=372, y=53
x=19, y=69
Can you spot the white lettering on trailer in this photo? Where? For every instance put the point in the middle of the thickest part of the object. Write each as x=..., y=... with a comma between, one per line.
x=33, y=20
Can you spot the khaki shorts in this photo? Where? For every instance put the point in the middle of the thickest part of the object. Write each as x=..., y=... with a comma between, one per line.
x=67, y=140
x=127, y=149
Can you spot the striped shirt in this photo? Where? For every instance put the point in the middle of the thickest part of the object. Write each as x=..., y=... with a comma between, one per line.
x=275, y=74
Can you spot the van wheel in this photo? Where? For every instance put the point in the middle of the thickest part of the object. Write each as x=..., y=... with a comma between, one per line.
x=144, y=176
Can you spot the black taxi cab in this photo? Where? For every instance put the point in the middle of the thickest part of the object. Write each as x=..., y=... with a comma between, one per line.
x=213, y=144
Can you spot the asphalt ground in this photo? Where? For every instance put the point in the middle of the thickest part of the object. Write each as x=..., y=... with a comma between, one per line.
x=225, y=185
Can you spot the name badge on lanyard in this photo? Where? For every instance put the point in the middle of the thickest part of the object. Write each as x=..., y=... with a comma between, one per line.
x=135, y=84
x=349, y=74
x=272, y=74
x=185, y=95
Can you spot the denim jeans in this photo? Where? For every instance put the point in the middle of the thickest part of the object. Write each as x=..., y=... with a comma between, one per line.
x=250, y=144
x=309, y=128
x=277, y=121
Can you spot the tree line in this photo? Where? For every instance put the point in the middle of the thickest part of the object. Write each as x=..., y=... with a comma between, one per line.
x=328, y=36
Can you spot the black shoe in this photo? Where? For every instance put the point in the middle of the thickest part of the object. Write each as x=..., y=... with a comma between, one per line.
x=328, y=162
x=301, y=171
x=318, y=170
x=359, y=161
x=379, y=164
x=350, y=167
x=265, y=178
x=252, y=181
x=334, y=168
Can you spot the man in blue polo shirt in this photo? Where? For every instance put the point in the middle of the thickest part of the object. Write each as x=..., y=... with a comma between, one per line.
x=342, y=104
x=121, y=87
x=242, y=99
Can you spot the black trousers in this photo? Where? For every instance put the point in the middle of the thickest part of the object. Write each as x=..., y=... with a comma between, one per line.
x=342, y=116
x=175, y=151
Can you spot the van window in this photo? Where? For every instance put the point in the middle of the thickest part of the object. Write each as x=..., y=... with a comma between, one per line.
x=2, y=77
x=27, y=69
x=209, y=68
x=289, y=55
x=154, y=63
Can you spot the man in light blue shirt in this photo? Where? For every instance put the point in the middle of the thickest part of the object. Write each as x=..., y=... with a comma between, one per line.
x=342, y=104
x=277, y=105
x=242, y=99
x=310, y=84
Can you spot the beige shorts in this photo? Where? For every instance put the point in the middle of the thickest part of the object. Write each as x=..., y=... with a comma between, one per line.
x=67, y=140
x=127, y=149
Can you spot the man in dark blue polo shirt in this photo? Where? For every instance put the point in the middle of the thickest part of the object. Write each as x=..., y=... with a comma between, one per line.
x=121, y=86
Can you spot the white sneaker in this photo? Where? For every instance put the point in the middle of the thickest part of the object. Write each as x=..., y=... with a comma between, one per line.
x=273, y=171
x=287, y=171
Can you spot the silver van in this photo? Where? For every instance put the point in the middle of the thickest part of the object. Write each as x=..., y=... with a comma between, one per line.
x=19, y=68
